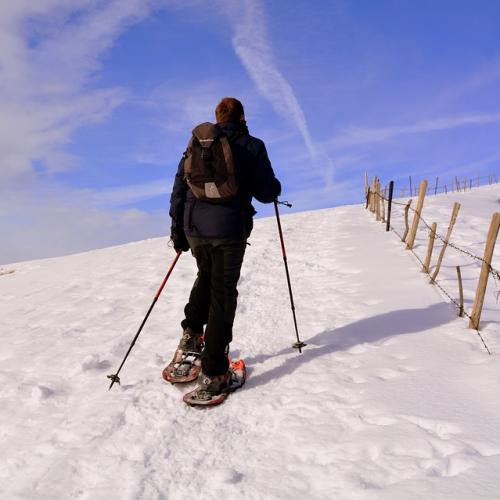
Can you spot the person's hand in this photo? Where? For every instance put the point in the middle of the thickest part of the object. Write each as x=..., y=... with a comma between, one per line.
x=179, y=241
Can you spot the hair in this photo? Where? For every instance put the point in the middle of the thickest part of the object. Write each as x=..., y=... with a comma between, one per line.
x=229, y=110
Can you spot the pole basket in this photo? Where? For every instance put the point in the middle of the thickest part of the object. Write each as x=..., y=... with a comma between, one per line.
x=299, y=345
x=115, y=379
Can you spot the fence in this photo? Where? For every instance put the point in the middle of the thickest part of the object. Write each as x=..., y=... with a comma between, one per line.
x=410, y=187
x=376, y=200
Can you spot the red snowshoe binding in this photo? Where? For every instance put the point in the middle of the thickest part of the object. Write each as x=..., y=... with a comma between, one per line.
x=214, y=390
x=186, y=365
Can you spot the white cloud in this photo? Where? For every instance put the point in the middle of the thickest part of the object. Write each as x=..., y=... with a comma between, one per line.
x=358, y=135
x=50, y=50
x=251, y=44
x=56, y=220
x=125, y=195
x=50, y=53
x=486, y=76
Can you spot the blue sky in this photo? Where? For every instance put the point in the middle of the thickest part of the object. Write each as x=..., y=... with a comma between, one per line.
x=98, y=98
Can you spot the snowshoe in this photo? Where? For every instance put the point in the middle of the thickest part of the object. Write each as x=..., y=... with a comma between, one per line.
x=186, y=364
x=214, y=390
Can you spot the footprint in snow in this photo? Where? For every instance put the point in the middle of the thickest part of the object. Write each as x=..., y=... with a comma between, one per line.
x=226, y=475
x=41, y=393
x=93, y=362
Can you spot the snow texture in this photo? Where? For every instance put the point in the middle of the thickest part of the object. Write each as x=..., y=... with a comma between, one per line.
x=393, y=398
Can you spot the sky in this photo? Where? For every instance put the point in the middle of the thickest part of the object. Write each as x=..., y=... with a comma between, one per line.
x=98, y=99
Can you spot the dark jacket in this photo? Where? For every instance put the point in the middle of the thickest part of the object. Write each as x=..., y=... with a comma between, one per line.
x=232, y=219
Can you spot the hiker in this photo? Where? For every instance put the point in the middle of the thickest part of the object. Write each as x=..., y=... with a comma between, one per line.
x=215, y=223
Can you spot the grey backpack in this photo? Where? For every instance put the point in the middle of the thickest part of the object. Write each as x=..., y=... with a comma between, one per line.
x=208, y=166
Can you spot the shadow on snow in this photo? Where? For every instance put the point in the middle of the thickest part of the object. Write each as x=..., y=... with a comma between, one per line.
x=365, y=331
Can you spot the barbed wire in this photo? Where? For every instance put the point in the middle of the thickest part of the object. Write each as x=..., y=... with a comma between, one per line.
x=455, y=185
x=494, y=272
x=434, y=282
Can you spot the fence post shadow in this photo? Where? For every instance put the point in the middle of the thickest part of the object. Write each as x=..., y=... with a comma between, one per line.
x=367, y=330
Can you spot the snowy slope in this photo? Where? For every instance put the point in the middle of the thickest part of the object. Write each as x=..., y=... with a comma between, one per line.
x=394, y=398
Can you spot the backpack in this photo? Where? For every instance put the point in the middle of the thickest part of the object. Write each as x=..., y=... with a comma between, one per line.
x=208, y=165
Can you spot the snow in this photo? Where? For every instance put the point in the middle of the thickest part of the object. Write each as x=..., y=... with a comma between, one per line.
x=393, y=398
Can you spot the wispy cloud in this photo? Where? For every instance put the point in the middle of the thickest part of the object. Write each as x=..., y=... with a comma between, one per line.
x=125, y=195
x=50, y=52
x=251, y=44
x=76, y=219
x=358, y=135
x=481, y=79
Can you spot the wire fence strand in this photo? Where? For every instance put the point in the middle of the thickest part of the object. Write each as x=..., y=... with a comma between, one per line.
x=494, y=272
x=434, y=282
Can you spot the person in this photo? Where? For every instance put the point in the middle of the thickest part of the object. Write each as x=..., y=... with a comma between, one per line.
x=216, y=234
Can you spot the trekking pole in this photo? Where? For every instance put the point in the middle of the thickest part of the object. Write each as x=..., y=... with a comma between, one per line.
x=115, y=378
x=299, y=344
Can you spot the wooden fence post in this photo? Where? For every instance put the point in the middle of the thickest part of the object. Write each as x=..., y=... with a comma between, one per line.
x=436, y=187
x=430, y=248
x=485, y=271
x=382, y=200
x=407, y=227
x=377, y=201
x=374, y=190
x=389, y=205
x=416, y=218
x=460, y=292
x=454, y=215
x=367, y=186
x=411, y=190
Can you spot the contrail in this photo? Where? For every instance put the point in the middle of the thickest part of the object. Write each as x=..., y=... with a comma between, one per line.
x=252, y=46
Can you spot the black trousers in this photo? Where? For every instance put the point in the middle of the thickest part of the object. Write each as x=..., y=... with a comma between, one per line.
x=213, y=298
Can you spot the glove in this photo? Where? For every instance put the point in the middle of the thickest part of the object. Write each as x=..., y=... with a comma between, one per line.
x=179, y=240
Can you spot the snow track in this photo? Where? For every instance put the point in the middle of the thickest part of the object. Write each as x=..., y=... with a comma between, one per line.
x=393, y=398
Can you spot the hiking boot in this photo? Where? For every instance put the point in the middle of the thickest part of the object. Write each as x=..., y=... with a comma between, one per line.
x=191, y=341
x=211, y=387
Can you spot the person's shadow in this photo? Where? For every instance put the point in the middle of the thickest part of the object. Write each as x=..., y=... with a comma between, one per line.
x=368, y=330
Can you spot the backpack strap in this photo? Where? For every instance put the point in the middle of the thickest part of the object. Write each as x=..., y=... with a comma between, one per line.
x=188, y=159
x=228, y=155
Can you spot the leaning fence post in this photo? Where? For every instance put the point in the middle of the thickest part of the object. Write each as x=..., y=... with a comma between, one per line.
x=389, y=205
x=485, y=271
x=436, y=187
x=377, y=203
x=430, y=248
x=416, y=218
x=367, y=186
x=460, y=292
x=407, y=227
x=374, y=190
x=382, y=199
x=454, y=215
